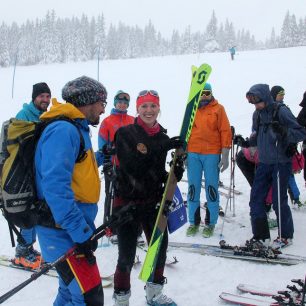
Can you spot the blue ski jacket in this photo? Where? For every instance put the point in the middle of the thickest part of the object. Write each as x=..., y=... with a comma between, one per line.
x=29, y=112
x=271, y=146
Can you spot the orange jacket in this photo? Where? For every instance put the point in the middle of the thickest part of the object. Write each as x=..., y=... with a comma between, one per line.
x=211, y=130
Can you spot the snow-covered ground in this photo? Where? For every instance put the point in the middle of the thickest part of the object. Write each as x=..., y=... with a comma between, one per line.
x=196, y=279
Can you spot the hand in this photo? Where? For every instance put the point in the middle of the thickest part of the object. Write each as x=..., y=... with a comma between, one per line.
x=240, y=141
x=179, y=167
x=109, y=172
x=279, y=129
x=172, y=143
x=108, y=150
x=224, y=163
x=87, y=248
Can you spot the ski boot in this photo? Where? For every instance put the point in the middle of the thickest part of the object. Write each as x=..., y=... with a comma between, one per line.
x=155, y=297
x=192, y=230
x=27, y=257
x=281, y=243
x=208, y=231
x=122, y=298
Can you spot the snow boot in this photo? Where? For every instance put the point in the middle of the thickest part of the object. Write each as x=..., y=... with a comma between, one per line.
x=155, y=296
x=192, y=230
x=208, y=231
x=122, y=298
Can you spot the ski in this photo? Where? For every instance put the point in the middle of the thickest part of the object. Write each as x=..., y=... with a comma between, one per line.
x=255, y=290
x=245, y=300
x=199, y=77
x=238, y=253
x=5, y=261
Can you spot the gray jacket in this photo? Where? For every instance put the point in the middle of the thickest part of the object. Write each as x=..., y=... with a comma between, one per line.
x=271, y=146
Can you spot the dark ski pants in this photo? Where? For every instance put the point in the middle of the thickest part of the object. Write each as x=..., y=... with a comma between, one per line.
x=265, y=176
x=127, y=242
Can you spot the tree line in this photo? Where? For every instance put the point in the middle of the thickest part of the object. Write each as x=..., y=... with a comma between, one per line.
x=60, y=40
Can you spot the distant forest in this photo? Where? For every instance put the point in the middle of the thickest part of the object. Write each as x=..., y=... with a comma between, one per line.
x=58, y=40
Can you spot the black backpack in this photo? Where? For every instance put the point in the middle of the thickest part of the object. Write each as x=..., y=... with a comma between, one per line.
x=18, y=196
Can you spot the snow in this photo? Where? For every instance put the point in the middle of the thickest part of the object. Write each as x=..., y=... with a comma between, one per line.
x=196, y=279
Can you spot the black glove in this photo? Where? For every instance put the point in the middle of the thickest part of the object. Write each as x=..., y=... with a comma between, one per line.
x=279, y=129
x=108, y=171
x=172, y=143
x=179, y=167
x=87, y=248
x=240, y=141
x=108, y=150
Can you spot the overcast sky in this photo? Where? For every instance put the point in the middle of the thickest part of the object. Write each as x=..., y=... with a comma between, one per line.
x=259, y=16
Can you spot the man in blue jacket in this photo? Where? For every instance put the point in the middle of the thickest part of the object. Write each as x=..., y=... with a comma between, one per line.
x=25, y=254
x=67, y=181
x=276, y=130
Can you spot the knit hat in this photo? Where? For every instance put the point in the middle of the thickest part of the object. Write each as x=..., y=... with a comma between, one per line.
x=275, y=90
x=84, y=91
x=207, y=86
x=147, y=96
x=123, y=97
x=40, y=88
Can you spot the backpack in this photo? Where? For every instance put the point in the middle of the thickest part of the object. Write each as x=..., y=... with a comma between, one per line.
x=18, y=197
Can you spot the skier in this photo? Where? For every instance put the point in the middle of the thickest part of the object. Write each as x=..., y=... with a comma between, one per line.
x=25, y=254
x=273, y=139
x=141, y=150
x=278, y=94
x=208, y=152
x=301, y=118
x=68, y=186
x=232, y=52
x=108, y=128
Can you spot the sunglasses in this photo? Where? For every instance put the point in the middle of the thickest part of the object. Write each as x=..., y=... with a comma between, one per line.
x=124, y=97
x=253, y=99
x=282, y=92
x=206, y=93
x=151, y=92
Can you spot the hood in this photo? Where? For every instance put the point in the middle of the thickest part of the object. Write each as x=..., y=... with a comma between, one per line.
x=62, y=109
x=262, y=91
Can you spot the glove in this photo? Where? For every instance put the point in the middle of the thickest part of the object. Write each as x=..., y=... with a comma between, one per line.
x=108, y=150
x=240, y=141
x=87, y=248
x=279, y=129
x=179, y=167
x=172, y=143
x=108, y=171
x=291, y=149
x=223, y=165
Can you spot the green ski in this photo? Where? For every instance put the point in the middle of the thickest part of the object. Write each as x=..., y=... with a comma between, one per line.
x=199, y=78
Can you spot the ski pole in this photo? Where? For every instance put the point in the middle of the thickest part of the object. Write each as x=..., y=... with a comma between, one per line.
x=122, y=216
x=278, y=197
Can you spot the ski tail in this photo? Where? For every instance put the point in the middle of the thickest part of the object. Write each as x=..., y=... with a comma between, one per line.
x=199, y=77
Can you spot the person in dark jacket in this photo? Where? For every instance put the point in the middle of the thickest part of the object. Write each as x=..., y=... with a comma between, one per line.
x=301, y=118
x=274, y=138
x=141, y=150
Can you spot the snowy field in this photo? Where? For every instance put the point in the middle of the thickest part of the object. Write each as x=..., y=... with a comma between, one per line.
x=196, y=280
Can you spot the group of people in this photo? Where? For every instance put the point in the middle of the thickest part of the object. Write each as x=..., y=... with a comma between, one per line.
x=133, y=152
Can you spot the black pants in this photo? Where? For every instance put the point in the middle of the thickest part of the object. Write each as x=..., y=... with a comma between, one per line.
x=127, y=242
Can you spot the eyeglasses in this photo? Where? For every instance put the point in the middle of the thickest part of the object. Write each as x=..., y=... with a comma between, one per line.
x=206, y=93
x=253, y=99
x=151, y=92
x=123, y=97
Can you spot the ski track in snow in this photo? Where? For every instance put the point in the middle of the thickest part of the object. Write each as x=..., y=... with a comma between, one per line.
x=196, y=280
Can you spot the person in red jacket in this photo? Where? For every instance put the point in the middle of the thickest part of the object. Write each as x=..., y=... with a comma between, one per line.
x=108, y=128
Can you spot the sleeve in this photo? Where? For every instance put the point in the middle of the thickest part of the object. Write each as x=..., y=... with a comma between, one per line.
x=131, y=160
x=59, y=150
x=295, y=132
x=224, y=129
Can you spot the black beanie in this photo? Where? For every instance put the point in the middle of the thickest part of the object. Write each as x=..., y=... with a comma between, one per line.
x=303, y=102
x=84, y=91
x=40, y=88
x=275, y=90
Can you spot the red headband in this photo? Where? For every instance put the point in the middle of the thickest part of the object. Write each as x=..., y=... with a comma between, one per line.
x=147, y=98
